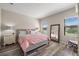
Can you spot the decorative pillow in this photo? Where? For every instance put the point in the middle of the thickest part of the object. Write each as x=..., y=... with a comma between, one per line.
x=33, y=32
x=29, y=31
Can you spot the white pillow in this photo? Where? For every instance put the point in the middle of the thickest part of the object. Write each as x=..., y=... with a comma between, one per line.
x=33, y=32
x=22, y=33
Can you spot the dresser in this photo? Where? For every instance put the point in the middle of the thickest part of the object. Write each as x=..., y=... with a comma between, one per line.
x=9, y=39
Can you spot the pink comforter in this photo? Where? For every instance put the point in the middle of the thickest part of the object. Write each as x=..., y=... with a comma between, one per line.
x=25, y=41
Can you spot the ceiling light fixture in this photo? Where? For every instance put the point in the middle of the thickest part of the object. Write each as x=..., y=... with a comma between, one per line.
x=11, y=3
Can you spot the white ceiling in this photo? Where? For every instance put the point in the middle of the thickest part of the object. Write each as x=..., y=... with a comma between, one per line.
x=37, y=10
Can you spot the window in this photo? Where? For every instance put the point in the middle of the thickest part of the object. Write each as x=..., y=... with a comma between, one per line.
x=44, y=26
x=70, y=26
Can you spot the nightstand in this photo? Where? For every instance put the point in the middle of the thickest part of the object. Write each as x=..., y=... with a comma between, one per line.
x=9, y=39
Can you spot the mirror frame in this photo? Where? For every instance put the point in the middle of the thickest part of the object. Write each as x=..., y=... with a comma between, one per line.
x=58, y=32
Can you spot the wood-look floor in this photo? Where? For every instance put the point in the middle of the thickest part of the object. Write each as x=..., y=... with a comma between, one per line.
x=53, y=49
x=47, y=50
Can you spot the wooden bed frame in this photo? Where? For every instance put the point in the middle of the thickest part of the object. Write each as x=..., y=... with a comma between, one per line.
x=32, y=47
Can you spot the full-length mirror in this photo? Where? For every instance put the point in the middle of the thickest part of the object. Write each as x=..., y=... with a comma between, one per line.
x=55, y=32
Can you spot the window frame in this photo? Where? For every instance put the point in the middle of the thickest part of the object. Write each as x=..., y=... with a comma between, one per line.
x=65, y=27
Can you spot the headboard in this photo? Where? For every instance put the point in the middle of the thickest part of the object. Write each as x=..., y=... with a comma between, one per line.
x=20, y=32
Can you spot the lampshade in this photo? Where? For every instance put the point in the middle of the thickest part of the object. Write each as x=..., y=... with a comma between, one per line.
x=4, y=27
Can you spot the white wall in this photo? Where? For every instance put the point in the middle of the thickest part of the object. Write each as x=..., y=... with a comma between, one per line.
x=19, y=21
x=0, y=24
x=59, y=19
x=0, y=19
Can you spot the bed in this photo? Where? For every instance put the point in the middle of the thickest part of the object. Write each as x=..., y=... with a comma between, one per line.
x=28, y=42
